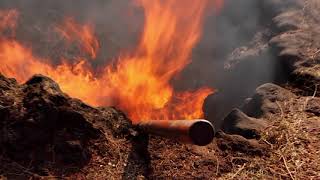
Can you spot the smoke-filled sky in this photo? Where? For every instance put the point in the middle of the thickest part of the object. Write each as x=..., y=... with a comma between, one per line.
x=119, y=22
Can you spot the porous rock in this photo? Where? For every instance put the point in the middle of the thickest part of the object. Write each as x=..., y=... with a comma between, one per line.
x=313, y=106
x=266, y=100
x=239, y=123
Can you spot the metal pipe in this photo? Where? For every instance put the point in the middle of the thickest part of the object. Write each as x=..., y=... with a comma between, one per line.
x=199, y=132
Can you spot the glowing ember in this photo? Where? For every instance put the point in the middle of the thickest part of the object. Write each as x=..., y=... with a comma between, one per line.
x=139, y=83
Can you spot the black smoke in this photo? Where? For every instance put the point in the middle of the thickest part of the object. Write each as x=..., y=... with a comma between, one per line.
x=243, y=25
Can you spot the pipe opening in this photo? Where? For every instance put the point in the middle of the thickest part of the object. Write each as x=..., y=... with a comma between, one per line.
x=202, y=133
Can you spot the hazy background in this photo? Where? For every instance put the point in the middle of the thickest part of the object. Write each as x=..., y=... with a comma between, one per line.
x=118, y=25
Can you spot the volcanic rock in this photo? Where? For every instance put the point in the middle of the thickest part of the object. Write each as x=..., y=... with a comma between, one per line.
x=266, y=100
x=313, y=106
x=239, y=123
x=45, y=128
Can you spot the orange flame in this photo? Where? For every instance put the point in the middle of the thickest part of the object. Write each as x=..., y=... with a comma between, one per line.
x=139, y=83
x=81, y=34
x=75, y=79
x=8, y=19
x=218, y=5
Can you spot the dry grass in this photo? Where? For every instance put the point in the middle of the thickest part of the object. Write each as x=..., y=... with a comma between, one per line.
x=294, y=153
x=294, y=136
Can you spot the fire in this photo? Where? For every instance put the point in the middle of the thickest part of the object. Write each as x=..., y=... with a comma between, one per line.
x=8, y=19
x=218, y=6
x=75, y=79
x=81, y=34
x=142, y=81
x=139, y=82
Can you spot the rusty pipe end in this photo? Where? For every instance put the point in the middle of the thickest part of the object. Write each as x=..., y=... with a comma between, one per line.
x=198, y=131
x=201, y=133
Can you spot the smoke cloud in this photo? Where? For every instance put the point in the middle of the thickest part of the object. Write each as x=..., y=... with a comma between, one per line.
x=218, y=60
